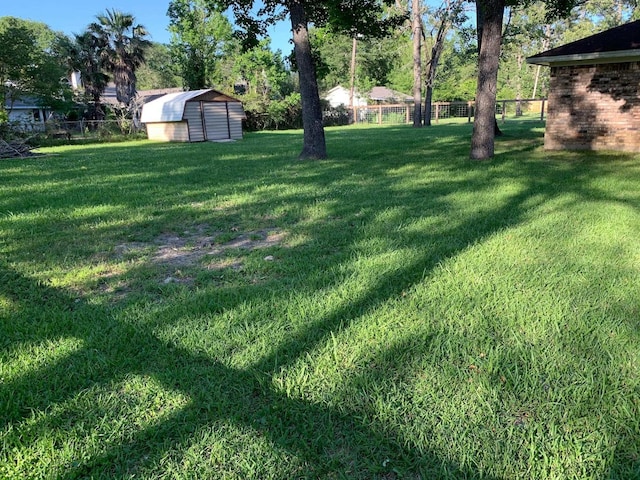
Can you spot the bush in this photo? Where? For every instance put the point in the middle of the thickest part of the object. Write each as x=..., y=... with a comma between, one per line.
x=336, y=116
x=282, y=114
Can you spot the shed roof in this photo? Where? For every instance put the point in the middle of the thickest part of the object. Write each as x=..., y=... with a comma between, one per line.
x=618, y=44
x=170, y=107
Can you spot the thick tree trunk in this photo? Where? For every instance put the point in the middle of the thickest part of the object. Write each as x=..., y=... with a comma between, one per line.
x=482, y=140
x=416, y=28
x=428, y=99
x=314, y=146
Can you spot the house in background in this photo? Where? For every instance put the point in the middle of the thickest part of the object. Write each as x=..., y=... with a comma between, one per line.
x=28, y=113
x=384, y=95
x=594, y=94
x=108, y=97
x=340, y=96
x=193, y=116
x=378, y=95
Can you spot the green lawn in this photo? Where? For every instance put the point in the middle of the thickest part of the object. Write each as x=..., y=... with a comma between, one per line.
x=397, y=311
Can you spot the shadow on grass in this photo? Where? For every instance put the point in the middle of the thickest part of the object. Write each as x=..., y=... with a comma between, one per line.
x=329, y=441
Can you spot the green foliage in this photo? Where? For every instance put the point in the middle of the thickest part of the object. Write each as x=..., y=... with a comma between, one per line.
x=159, y=69
x=123, y=47
x=200, y=36
x=382, y=61
x=274, y=114
x=83, y=54
x=257, y=71
x=456, y=79
x=353, y=17
x=29, y=64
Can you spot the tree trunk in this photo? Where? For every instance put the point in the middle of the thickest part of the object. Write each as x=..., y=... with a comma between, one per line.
x=416, y=28
x=314, y=146
x=490, y=12
x=446, y=20
x=428, y=99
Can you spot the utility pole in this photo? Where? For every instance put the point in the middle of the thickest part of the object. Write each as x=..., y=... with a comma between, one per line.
x=353, y=71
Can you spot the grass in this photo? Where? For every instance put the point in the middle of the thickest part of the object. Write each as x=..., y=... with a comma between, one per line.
x=397, y=311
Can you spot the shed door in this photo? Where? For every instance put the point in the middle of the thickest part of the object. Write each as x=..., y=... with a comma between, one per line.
x=216, y=120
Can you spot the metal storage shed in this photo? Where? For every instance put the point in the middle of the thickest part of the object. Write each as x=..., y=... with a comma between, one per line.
x=193, y=116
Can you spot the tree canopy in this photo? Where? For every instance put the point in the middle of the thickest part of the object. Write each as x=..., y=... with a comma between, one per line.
x=200, y=36
x=124, y=43
x=351, y=16
x=30, y=65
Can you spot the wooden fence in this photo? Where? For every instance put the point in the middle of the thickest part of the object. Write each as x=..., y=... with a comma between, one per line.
x=446, y=111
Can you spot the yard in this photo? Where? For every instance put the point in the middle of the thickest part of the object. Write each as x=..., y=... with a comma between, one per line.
x=398, y=311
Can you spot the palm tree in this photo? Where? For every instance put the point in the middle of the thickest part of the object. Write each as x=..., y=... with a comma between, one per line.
x=124, y=50
x=83, y=54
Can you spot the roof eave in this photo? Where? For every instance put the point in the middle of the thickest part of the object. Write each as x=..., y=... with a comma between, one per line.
x=586, y=58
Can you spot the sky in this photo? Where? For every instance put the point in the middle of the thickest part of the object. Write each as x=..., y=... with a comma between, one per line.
x=73, y=16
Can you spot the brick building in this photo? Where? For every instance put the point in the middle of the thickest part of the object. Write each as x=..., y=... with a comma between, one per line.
x=594, y=94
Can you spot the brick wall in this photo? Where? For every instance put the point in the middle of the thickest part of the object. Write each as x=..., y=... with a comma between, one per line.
x=594, y=107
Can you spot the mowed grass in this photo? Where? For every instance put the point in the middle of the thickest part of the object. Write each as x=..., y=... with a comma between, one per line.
x=396, y=311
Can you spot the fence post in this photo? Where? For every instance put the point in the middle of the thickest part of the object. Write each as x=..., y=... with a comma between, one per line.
x=437, y=112
x=379, y=114
x=504, y=110
x=469, y=112
x=407, y=115
x=542, y=110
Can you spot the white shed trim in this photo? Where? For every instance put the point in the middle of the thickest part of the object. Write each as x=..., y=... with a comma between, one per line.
x=169, y=107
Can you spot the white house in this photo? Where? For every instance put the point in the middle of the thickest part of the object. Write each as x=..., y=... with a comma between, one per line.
x=28, y=113
x=340, y=96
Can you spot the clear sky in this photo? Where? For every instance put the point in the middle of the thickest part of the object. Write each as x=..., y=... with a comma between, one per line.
x=72, y=16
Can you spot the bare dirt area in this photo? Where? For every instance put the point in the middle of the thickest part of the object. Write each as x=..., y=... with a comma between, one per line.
x=190, y=248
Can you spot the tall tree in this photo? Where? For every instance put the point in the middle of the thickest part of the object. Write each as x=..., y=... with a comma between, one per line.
x=417, y=33
x=29, y=64
x=125, y=45
x=449, y=14
x=352, y=16
x=83, y=54
x=489, y=16
x=159, y=69
x=199, y=37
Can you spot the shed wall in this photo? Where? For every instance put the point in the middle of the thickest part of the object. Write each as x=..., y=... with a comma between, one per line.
x=168, y=131
x=236, y=114
x=594, y=107
x=193, y=116
x=215, y=119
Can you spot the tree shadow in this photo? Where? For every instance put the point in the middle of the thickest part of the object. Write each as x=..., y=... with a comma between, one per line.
x=583, y=113
x=112, y=347
x=238, y=396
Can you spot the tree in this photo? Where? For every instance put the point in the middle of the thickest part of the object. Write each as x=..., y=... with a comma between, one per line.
x=489, y=14
x=199, y=36
x=354, y=17
x=383, y=61
x=159, y=69
x=29, y=64
x=417, y=33
x=83, y=54
x=124, y=50
x=450, y=13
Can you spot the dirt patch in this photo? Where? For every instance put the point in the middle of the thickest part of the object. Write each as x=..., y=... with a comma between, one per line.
x=188, y=249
